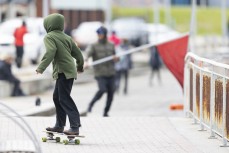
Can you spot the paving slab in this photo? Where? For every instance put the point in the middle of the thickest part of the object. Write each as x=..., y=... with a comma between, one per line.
x=140, y=121
x=121, y=135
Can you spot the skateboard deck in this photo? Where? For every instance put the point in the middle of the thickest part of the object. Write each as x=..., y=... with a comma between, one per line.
x=69, y=139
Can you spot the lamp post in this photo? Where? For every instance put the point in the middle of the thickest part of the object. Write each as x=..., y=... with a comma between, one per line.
x=108, y=12
x=192, y=31
x=31, y=9
x=11, y=9
x=224, y=18
x=156, y=12
x=0, y=12
x=45, y=8
x=168, y=12
x=156, y=18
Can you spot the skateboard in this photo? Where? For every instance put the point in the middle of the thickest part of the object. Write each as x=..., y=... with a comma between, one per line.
x=57, y=137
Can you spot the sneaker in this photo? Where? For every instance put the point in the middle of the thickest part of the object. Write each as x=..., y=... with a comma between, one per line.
x=89, y=109
x=105, y=115
x=55, y=129
x=84, y=113
x=72, y=131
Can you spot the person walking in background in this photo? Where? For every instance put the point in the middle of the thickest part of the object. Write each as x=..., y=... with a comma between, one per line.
x=155, y=64
x=7, y=75
x=19, y=43
x=60, y=50
x=104, y=72
x=67, y=30
x=114, y=39
x=123, y=66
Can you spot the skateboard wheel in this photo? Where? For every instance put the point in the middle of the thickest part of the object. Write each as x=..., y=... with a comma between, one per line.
x=57, y=139
x=65, y=142
x=77, y=141
x=44, y=139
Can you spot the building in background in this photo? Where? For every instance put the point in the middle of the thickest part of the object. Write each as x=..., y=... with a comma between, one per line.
x=15, y=8
x=149, y=3
x=212, y=3
x=75, y=11
x=181, y=2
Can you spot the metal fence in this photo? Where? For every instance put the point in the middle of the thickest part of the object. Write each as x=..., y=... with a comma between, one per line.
x=206, y=89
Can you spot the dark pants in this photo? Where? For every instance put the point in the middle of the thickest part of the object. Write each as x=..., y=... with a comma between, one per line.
x=153, y=71
x=118, y=77
x=16, y=88
x=106, y=85
x=64, y=103
x=19, y=55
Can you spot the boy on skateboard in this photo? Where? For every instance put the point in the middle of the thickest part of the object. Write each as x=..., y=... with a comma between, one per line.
x=60, y=50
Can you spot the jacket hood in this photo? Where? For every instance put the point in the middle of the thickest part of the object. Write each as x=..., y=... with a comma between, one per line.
x=54, y=22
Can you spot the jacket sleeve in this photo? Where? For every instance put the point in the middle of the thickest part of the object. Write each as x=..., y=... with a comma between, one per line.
x=49, y=55
x=76, y=53
x=89, y=51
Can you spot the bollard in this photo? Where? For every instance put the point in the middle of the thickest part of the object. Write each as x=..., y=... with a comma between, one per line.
x=38, y=101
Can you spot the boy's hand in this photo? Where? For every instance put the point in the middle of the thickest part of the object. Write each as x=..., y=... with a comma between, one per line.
x=38, y=72
x=80, y=71
x=115, y=58
x=86, y=65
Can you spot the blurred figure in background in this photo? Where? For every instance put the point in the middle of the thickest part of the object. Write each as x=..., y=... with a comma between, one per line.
x=67, y=30
x=155, y=64
x=123, y=66
x=19, y=43
x=7, y=75
x=114, y=39
x=104, y=72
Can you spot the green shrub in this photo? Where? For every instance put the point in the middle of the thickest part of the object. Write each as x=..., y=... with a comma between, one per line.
x=208, y=19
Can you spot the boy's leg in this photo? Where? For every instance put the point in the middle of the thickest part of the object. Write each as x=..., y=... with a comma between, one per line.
x=102, y=89
x=60, y=113
x=117, y=80
x=126, y=73
x=151, y=77
x=110, y=93
x=159, y=75
x=66, y=102
x=19, y=54
x=15, y=87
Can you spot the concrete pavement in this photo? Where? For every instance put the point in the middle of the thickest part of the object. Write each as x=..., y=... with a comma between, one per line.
x=121, y=135
x=140, y=121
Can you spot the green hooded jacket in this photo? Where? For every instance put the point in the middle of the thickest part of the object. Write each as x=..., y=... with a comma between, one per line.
x=60, y=49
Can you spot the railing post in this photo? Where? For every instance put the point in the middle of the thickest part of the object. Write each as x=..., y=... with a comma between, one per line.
x=201, y=101
x=194, y=95
x=186, y=89
x=224, y=140
x=212, y=104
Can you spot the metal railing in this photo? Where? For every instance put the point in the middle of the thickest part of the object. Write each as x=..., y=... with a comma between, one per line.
x=206, y=90
x=24, y=127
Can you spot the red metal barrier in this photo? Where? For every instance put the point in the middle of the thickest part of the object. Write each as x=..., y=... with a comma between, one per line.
x=219, y=103
x=206, y=98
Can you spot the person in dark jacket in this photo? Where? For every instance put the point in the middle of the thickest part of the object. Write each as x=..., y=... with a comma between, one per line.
x=104, y=72
x=155, y=64
x=60, y=50
x=19, y=43
x=7, y=75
